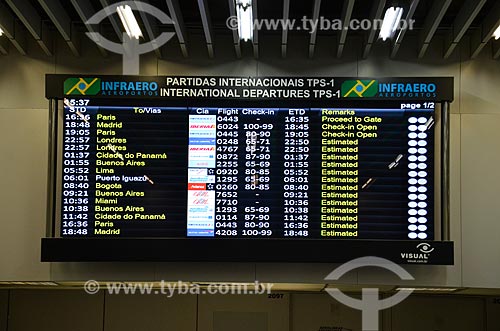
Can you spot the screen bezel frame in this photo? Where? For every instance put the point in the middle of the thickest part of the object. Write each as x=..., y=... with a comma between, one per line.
x=109, y=249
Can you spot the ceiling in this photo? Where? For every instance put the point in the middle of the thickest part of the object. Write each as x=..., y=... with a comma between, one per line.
x=450, y=19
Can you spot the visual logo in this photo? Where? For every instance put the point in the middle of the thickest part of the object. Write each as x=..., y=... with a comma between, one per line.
x=82, y=86
x=425, y=248
x=359, y=88
x=422, y=256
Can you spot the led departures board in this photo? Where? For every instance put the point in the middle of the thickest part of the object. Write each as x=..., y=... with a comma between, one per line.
x=247, y=172
x=246, y=169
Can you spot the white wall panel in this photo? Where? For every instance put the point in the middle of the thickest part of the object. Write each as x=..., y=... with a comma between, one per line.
x=154, y=312
x=53, y=310
x=443, y=314
x=23, y=178
x=480, y=198
x=274, y=310
x=322, y=312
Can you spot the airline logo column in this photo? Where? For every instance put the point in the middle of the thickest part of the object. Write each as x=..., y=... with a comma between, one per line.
x=201, y=176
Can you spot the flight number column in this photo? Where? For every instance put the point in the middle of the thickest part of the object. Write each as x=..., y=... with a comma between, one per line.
x=227, y=186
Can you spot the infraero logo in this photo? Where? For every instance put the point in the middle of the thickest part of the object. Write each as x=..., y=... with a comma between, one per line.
x=82, y=86
x=359, y=88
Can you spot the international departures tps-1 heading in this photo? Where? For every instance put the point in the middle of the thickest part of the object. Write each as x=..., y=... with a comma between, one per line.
x=249, y=88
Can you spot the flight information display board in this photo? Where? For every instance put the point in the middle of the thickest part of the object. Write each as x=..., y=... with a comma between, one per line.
x=221, y=171
x=248, y=169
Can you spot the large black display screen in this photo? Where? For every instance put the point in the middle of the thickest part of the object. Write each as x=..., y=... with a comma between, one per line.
x=135, y=169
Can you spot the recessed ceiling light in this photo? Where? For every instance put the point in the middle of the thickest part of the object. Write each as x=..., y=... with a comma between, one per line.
x=390, y=23
x=496, y=34
x=245, y=19
x=129, y=21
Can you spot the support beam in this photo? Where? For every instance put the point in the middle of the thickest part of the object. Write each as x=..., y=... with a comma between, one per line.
x=236, y=36
x=255, y=40
x=284, y=33
x=434, y=18
x=207, y=26
x=7, y=26
x=484, y=34
x=85, y=11
x=12, y=31
x=402, y=32
x=463, y=20
x=376, y=13
x=152, y=30
x=4, y=46
x=346, y=18
x=180, y=29
x=496, y=51
x=33, y=22
x=62, y=21
x=111, y=14
x=315, y=17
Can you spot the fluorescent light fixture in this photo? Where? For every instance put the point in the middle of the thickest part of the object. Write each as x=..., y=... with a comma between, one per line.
x=428, y=289
x=23, y=283
x=245, y=19
x=496, y=34
x=129, y=21
x=299, y=287
x=391, y=22
x=1, y=33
